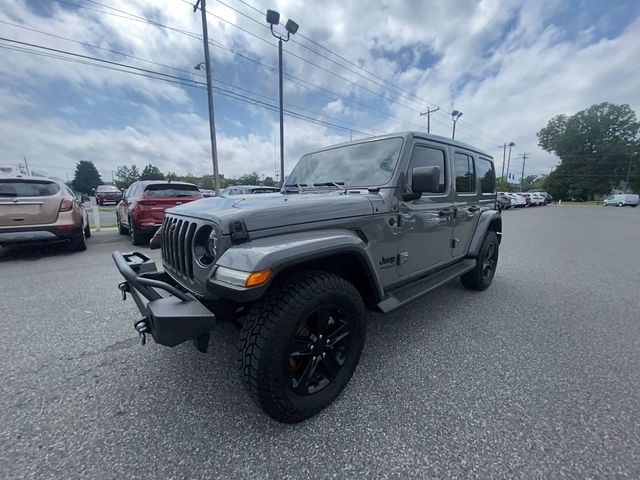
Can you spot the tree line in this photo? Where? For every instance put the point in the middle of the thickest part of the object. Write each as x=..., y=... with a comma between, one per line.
x=599, y=152
x=87, y=178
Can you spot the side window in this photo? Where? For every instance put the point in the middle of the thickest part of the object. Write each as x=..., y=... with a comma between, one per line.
x=424, y=156
x=486, y=175
x=465, y=174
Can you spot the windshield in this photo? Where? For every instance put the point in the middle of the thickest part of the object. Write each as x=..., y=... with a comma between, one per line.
x=363, y=164
x=108, y=188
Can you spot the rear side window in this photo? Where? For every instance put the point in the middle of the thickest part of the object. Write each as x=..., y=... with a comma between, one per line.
x=27, y=188
x=423, y=156
x=170, y=190
x=486, y=175
x=465, y=174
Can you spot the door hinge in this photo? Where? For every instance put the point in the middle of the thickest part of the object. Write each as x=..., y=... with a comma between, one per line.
x=455, y=242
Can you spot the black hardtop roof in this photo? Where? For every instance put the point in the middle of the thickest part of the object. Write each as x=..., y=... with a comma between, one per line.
x=414, y=134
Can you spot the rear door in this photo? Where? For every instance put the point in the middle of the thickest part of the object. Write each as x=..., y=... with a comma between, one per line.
x=28, y=202
x=466, y=201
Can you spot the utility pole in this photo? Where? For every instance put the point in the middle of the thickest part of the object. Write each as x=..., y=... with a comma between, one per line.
x=524, y=160
x=212, y=122
x=626, y=183
x=504, y=158
x=428, y=114
x=26, y=165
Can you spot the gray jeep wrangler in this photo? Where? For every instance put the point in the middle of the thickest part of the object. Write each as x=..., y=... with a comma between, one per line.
x=369, y=224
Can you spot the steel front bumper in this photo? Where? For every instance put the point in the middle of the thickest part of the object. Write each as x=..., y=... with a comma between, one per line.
x=170, y=315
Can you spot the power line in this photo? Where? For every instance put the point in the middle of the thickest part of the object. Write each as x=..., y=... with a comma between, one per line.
x=168, y=78
x=361, y=68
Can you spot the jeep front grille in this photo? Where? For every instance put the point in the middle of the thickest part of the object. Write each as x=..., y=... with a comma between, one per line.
x=177, y=246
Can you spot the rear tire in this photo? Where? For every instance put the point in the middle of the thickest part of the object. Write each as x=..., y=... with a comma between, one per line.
x=87, y=231
x=482, y=274
x=79, y=244
x=137, y=237
x=288, y=368
x=620, y=204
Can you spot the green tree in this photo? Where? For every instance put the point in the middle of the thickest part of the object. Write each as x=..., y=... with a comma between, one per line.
x=502, y=185
x=86, y=178
x=151, y=172
x=595, y=146
x=125, y=176
x=269, y=182
x=252, y=178
x=172, y=176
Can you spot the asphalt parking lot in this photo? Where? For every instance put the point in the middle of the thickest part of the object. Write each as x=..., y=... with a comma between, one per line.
x=538, y=377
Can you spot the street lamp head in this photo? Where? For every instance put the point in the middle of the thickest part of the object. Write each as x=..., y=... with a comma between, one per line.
x=273, y=17
x=199, y=66
x=291, y=26
x=511, y=144
x=455, y=115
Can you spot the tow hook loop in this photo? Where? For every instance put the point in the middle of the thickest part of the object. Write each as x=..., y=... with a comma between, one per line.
x=124, y=288
x=142, y=327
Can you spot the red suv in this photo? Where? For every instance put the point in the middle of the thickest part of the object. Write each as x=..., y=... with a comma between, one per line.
x=142, y=208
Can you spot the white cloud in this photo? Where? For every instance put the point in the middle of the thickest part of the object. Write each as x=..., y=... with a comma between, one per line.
x=507, y=83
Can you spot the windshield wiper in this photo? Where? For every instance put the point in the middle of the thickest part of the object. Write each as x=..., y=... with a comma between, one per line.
x=339, y=185
x=299, y=187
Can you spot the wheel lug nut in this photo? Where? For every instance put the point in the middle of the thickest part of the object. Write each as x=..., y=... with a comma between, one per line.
x=324, y=354
x=320, y=337
x=311, y=347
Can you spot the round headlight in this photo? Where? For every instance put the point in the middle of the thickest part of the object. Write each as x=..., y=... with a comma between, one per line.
x=212, y=243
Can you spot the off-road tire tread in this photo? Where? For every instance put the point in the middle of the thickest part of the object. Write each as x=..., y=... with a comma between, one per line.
x=264, y=319
x=473, y=279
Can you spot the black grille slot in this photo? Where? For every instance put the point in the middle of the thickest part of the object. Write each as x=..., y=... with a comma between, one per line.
x=177, y=240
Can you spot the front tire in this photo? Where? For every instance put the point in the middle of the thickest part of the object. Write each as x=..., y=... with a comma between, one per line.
x=301, y=343
x=482, y=274
x=122, y=230
x=620, y=204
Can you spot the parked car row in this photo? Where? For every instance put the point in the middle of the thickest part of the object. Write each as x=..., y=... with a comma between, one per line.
x=507, y=200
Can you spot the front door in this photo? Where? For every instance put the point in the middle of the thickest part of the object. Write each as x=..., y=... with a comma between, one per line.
x=425, y=224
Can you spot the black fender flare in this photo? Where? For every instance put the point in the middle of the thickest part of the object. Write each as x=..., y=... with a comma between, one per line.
x=485, y=222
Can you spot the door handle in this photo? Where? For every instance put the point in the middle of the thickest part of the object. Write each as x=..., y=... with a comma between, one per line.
x=473, y=208
x=446, y=212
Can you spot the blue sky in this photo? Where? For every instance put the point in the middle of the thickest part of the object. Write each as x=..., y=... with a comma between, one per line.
x=508, y=65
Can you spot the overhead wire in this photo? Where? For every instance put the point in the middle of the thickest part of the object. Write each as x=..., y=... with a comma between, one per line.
x=117, y=66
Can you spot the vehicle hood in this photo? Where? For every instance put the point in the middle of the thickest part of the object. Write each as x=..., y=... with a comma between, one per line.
x=267, y=210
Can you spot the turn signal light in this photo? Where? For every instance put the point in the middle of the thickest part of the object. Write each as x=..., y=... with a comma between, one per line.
x=257, y=278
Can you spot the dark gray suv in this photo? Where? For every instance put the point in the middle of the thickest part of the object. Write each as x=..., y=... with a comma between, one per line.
x=372, y=224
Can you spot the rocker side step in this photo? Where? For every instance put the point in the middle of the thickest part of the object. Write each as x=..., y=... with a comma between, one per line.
x=402, y=295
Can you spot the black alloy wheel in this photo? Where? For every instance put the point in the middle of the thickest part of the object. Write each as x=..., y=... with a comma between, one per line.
x=318, y=350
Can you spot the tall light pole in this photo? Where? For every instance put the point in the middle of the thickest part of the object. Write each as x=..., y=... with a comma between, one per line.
x=455, y=115
x=428, y=114
x=504, y=154
x=212, y=121
x=511, y=145
x=273, y=18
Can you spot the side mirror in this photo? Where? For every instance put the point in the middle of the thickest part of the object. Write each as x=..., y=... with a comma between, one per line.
x=423, y=180
x=84, y=199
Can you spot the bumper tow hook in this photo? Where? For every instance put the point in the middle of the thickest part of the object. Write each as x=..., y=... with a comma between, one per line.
x=142, y=327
